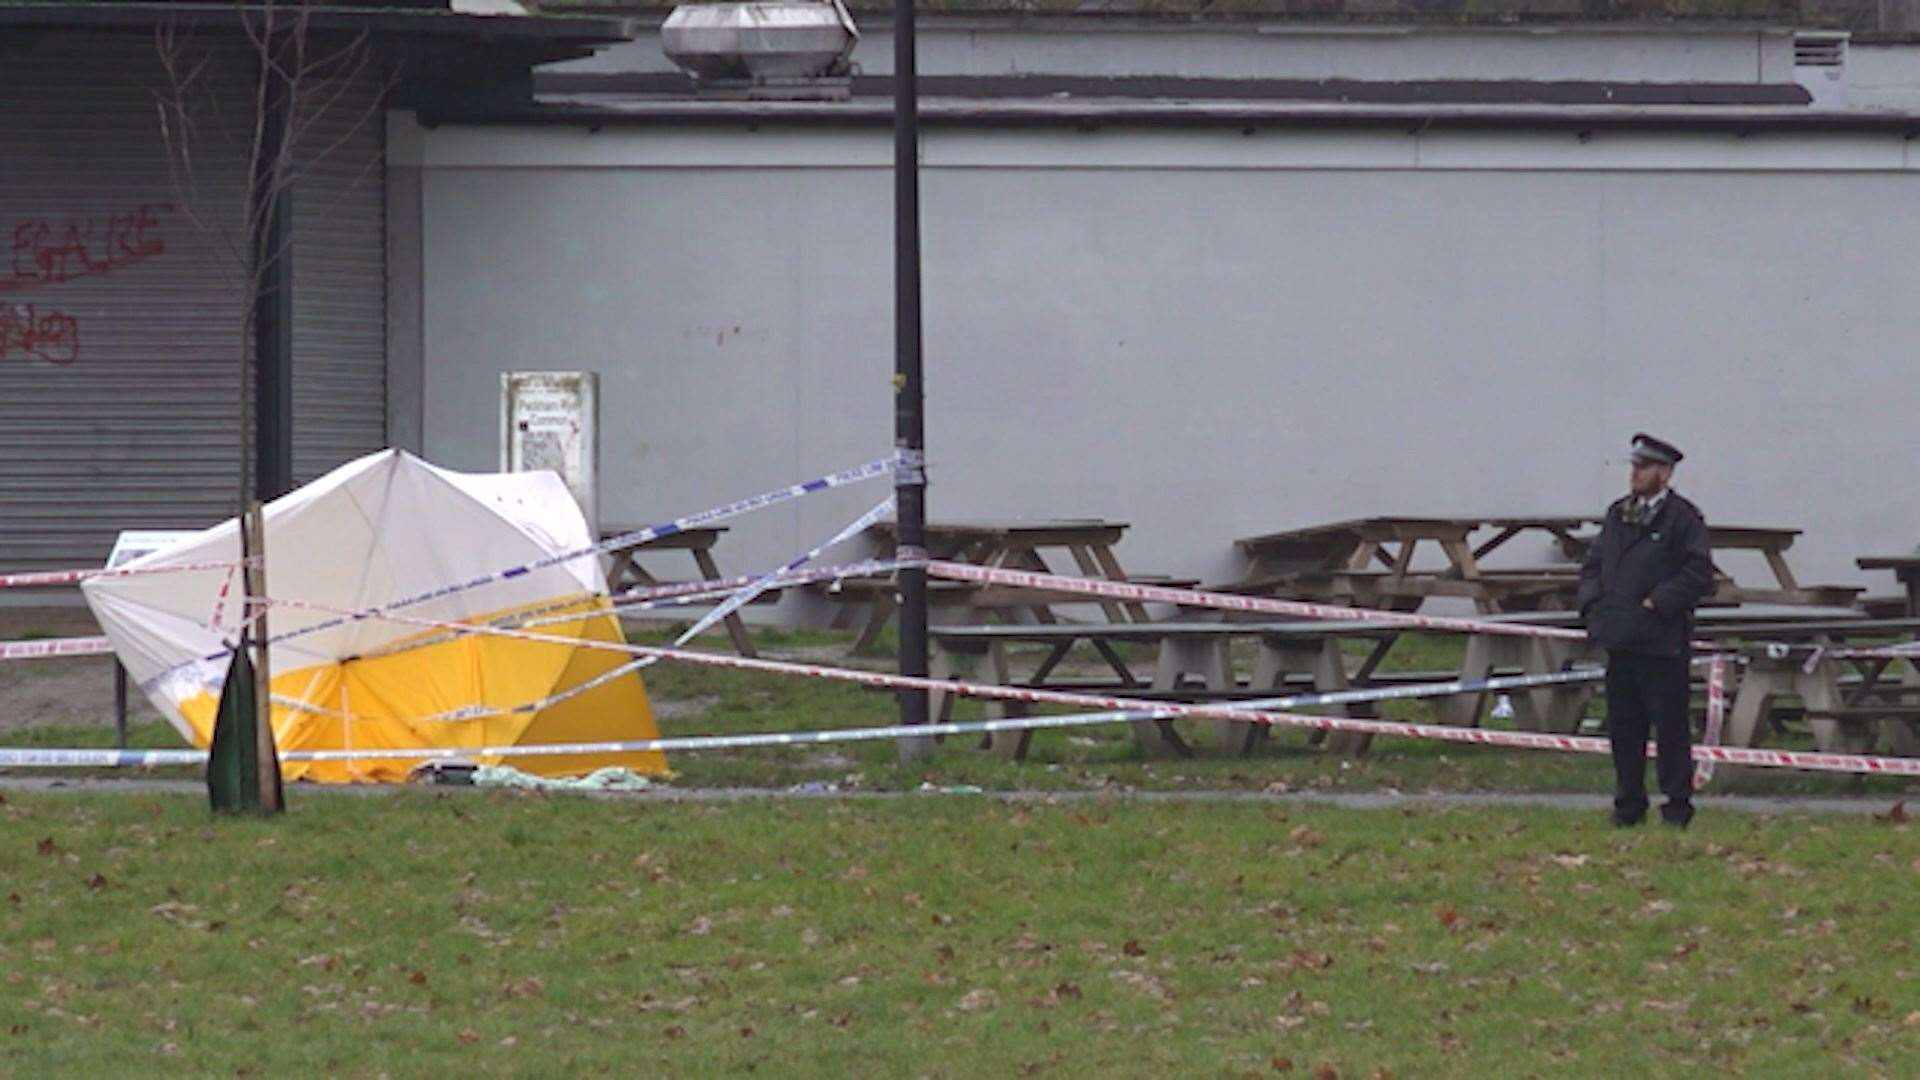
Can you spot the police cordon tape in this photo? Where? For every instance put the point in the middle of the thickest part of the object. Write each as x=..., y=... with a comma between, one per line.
x=734, y=602
x=142, y=759
x=46, y=578
x=879, y=467
x=1105, y=589
x=1821, y=761
x=1716, y=715
x=46, y=647
x=648, y=598
x=76, y=758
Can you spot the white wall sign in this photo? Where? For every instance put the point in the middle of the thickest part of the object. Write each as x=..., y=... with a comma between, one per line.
x=551, y=420
x=134, y=543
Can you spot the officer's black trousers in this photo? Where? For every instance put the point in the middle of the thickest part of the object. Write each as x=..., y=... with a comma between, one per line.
x=1647, y=694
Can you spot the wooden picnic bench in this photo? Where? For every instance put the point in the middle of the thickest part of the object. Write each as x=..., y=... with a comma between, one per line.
x=625, y=572
x=1849, y=702
x=1187, y=652
x=1372, y=562
x=1017, y=545
x=1906, y=569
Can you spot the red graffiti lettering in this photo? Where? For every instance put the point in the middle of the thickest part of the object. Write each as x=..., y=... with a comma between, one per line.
x=53, y=337
x=46, y=253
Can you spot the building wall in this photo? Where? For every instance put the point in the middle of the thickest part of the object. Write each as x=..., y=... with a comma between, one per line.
x=1244, y=50
x=1206, y=334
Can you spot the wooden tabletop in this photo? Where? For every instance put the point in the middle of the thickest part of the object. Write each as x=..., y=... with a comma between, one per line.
x=985, y=528
x=1369, y=528
x=684, y=538
x=1888, y=562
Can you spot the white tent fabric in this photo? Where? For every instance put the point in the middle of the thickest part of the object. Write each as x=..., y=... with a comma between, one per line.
x=381, y=529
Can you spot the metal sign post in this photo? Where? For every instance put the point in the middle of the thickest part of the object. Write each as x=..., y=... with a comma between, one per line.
x=910, y=485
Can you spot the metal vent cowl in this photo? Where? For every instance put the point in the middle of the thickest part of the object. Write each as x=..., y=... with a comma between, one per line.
x=760, y=41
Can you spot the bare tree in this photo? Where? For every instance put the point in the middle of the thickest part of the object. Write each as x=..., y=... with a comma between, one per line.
x=296, y=75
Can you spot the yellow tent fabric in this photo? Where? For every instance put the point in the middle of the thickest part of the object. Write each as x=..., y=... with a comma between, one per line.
x=378, y=531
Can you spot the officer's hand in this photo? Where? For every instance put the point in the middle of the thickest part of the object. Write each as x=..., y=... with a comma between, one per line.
x=1647, y=603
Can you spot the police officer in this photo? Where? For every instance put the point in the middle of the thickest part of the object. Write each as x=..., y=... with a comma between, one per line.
x=1642, y=579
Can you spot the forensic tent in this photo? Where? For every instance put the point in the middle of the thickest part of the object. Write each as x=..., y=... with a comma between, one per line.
x=383, y=532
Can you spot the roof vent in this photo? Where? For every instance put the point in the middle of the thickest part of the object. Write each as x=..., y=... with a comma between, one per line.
x=1820, y=65
x=791, y=49
x=1819, y=50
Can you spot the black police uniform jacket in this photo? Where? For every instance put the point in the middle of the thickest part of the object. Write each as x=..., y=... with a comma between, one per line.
x=1666, y=560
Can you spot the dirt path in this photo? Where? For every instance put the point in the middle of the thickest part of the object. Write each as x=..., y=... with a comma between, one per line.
x=68, y=691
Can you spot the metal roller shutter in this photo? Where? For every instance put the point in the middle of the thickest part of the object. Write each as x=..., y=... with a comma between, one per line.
x=119, y=331
x=120, y=310
x=339, y=284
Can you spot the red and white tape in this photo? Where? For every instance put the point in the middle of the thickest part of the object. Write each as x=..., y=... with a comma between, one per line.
x=1850, y=763
x=1105, y=589
x=48, y=578
x=40, y=650
x=1716, y=717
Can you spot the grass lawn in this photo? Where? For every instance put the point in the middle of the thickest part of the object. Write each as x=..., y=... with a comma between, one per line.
x=430, y=933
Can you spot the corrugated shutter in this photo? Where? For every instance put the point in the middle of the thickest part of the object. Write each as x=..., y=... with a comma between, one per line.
x=119, y=363
x=339, y=276
x=120, y=366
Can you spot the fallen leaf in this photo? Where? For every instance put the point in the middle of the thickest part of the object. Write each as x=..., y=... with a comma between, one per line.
x=1281, y=1064
x=1895, y=816
x=510, y=1041
x=1067, y=990
x=1326, y=1072
x=1657, y=907
x=468, y=1036
x=1132, y=948
x=1316, y=961
x=323, y=961
x=976, y=999
x=97, y=882
x=1449, y=917
x=701, y=926
x=674, y=1031
x=1570, y=862
x=1305, y=837
x=418, y=978
x=46, y=847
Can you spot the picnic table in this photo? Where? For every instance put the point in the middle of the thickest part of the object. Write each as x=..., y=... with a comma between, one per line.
x=1016, y=545
x=625, y=572
x=1193, y=662
x=1370, y=562
x=1906, y=568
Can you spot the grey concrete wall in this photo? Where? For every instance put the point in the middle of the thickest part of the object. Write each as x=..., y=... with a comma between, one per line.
x=1883, y=76
x=1248, y=51
x=1207, y=335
